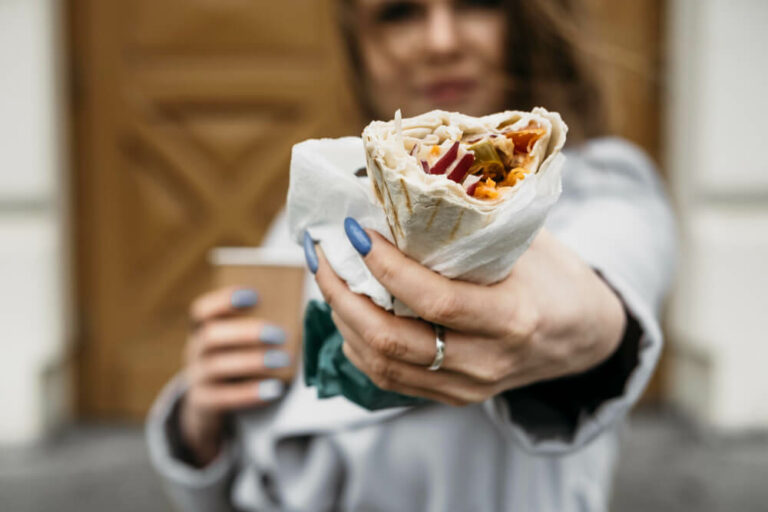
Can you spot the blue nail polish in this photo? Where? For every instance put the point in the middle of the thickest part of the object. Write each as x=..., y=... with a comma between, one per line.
x=309, y=252
x=276, y=359
x=272, y=334
x=270, y=389
x=359, y=238
x=244, y=298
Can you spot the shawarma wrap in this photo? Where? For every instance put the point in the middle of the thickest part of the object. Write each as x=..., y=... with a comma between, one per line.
x=442, y=175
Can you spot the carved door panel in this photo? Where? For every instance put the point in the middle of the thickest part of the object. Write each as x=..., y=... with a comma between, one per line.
x=185, y=112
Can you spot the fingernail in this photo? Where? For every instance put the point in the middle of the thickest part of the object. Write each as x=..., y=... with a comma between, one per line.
x=359, y=238
x=272, y=334
x=276, y=359
x=244, y=298
x=270, y=389
x=309, y=252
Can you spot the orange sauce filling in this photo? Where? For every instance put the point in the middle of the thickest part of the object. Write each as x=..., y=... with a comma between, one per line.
x=523, y=140
x=486, y=190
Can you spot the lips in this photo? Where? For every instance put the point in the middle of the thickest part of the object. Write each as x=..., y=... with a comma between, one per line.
x=449, y=91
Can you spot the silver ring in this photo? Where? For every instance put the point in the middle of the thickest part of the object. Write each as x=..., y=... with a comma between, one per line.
x=439, y=348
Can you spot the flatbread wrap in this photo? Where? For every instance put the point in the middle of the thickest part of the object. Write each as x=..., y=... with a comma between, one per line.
x=443, y=176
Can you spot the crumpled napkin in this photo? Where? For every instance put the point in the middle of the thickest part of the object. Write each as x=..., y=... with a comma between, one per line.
x=324, y=190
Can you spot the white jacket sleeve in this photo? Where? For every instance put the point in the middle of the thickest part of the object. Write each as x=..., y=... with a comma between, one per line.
x=189, y=488
x=615, y=215
x=254, y=471
x=223, y=485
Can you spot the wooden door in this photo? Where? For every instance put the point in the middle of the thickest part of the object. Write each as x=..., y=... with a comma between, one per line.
x=185, y=112
x=628, y=53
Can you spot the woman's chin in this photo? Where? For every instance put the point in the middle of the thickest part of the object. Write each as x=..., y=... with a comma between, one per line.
x=470, y=105
x=473, y=105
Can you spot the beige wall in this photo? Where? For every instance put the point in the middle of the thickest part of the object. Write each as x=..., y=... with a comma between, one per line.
x=33, y=396
x=718, y=163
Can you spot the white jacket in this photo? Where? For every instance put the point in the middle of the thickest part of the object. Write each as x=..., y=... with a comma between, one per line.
x=518, y=454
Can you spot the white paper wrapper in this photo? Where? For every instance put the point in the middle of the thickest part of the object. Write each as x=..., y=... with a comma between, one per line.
x=481, y=247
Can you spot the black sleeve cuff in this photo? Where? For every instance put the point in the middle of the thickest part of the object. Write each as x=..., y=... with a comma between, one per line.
x=178, y=448
x=552, y=409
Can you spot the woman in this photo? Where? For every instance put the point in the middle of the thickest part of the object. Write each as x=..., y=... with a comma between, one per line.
x=539, y=369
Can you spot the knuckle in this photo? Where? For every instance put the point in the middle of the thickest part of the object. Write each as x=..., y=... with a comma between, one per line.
x=383, y=373
x=201, y=306
x=559, y=355
x=231, y=399
x=386, y=344
x=207, y=333
x=486, y=375
x=522, y=325
x=445, y=308
x=385, y=269
x=194, y=375
x=475, y=396
x=492, y=371
x=384, y=384
x=346, y=350
x=217, y=367
x=330, y=295
x=195, y=310
x=498, y=370
x=466, y=396
x=456, y=401
x=342, y=326
x=379, y=368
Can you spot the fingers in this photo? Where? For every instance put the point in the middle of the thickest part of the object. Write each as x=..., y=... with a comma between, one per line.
x=400, y=338
x=241, y=364
x=476, y=357
x=222, y=302
x=396, y=375
x=395, y=352
x=456, y=304
x=359, y=363
x=480, y=361
x=236, y=362
x=231, y=333
x=233, y=361
x=441, y=386
x=235, y=348
x=233, y=396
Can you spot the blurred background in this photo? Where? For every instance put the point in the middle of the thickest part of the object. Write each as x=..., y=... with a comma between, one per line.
x=136, y=135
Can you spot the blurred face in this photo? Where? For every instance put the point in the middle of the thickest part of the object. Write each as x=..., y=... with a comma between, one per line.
x=418, y=55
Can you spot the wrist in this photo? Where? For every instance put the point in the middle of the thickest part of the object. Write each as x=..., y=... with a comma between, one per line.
x=201, y=434
x=614, y=319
